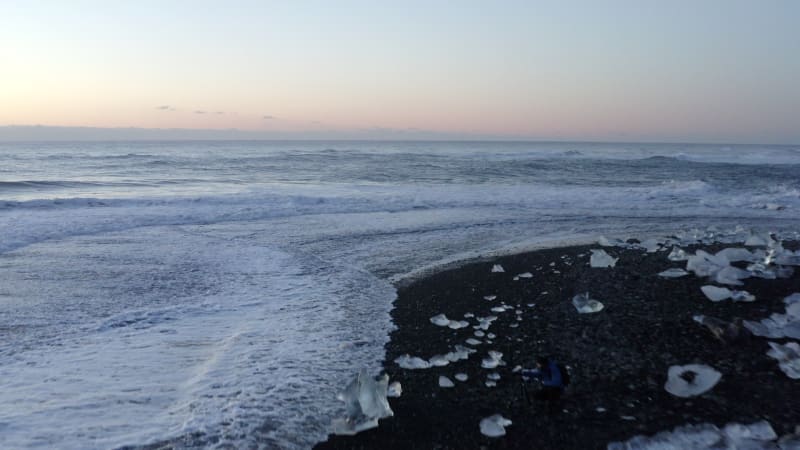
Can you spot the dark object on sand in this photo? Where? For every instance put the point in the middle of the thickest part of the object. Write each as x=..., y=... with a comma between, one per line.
x=727, y=332
x=554, y=378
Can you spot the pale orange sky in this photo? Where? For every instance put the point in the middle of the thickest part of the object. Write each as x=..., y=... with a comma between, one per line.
x=715, y=70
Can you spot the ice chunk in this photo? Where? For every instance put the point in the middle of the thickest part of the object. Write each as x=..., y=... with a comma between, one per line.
x=473, y=341
x=366, y=403
x=734, y=254
x=440, y=320
x=691, y=380
x=788, y=357
x=494, y=426
x=794, y=298
x=491, y=336
x=497, y=268
x=586, y=305
x=490, y=383
x=499, y=309
x=673, y=273
x=704, y=264
x=438, y=361
x=677, y=254
x=650, y=245
x=727, y=332
x=525, y=275
x=479, y=333
x=394, y=390
x=716, y=294
x=445, y=382
x=494, y=359
x=758, y=435
x=412, y=362
x=600, y=258
x=494, y=376
x=730, y=275
x=755, y=240
x=460, y=352
x=489, y=297
x=461, y=376
x=456, y=324
x=468, y=315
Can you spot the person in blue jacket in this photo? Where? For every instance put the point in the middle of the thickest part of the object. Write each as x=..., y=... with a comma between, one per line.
x=553, y=381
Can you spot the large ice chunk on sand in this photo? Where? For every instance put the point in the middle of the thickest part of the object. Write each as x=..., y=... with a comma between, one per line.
x=412, y=362
x=494, y=426
x=600, y=258
x=705, y=436
x=788, y=357
x=778, y=325
x=366, y=403
x=586, y=305
x=691, y=379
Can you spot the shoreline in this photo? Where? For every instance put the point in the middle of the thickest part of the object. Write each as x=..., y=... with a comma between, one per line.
x=618, y=357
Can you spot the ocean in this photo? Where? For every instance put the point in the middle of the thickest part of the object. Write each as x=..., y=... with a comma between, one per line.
x=221, y=293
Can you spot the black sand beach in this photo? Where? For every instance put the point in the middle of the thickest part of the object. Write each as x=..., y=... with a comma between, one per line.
x=618, y=357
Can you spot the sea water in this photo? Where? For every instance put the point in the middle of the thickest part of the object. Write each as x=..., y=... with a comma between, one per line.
x=221, y=293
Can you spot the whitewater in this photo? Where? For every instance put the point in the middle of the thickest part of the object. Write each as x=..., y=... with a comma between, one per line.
x=220, y=293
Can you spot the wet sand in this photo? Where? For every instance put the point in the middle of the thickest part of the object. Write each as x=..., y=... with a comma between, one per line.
x=618, y=357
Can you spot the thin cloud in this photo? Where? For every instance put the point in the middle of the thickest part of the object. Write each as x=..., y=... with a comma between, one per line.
x=165, y=108
x=268, y=117
x=199, y=112
x=219, y=112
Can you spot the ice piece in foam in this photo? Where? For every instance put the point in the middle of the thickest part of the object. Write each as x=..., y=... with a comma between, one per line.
x=788, y=357
x=497, y=268
x=601, y=259
x=445, y=382
x=394, y=390
x=440, y=320
x=412, y=362
x=365, y=402
x=691, y=380
x=586, y=305
x=494, y=426
x=673, y=273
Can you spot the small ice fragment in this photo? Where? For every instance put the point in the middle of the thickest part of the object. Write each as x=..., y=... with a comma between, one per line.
x=473, y=341
x=456, y=324
x=489, y=297
x=479, y=333
x=716, y=294
x=531, y=305
x=412, y=362
x=394, y=390
x=586, y=305
x=440, y=320
x=499, y=309
x=461, y=376
x=445, y=382
x=365, y=402
x=515, y=278
x=628, y=418
x=492, y=336
x=600, y=409
x=497, y=268
x=490, y=383
x=601, y=259
x=525, y=275
x=677, y=254
x=516, y=369
x=514, y=325
x=788, y=357
x=495, y=354
x=673, y=273
x=495, y=359
x=494, y=376
x=731, y=275
x=494, y=426
x=742, y=296
x=438, y=361
x=468, y=315
x=691, y=380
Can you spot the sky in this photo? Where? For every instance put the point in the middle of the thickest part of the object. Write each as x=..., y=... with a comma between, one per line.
x=638, y=70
